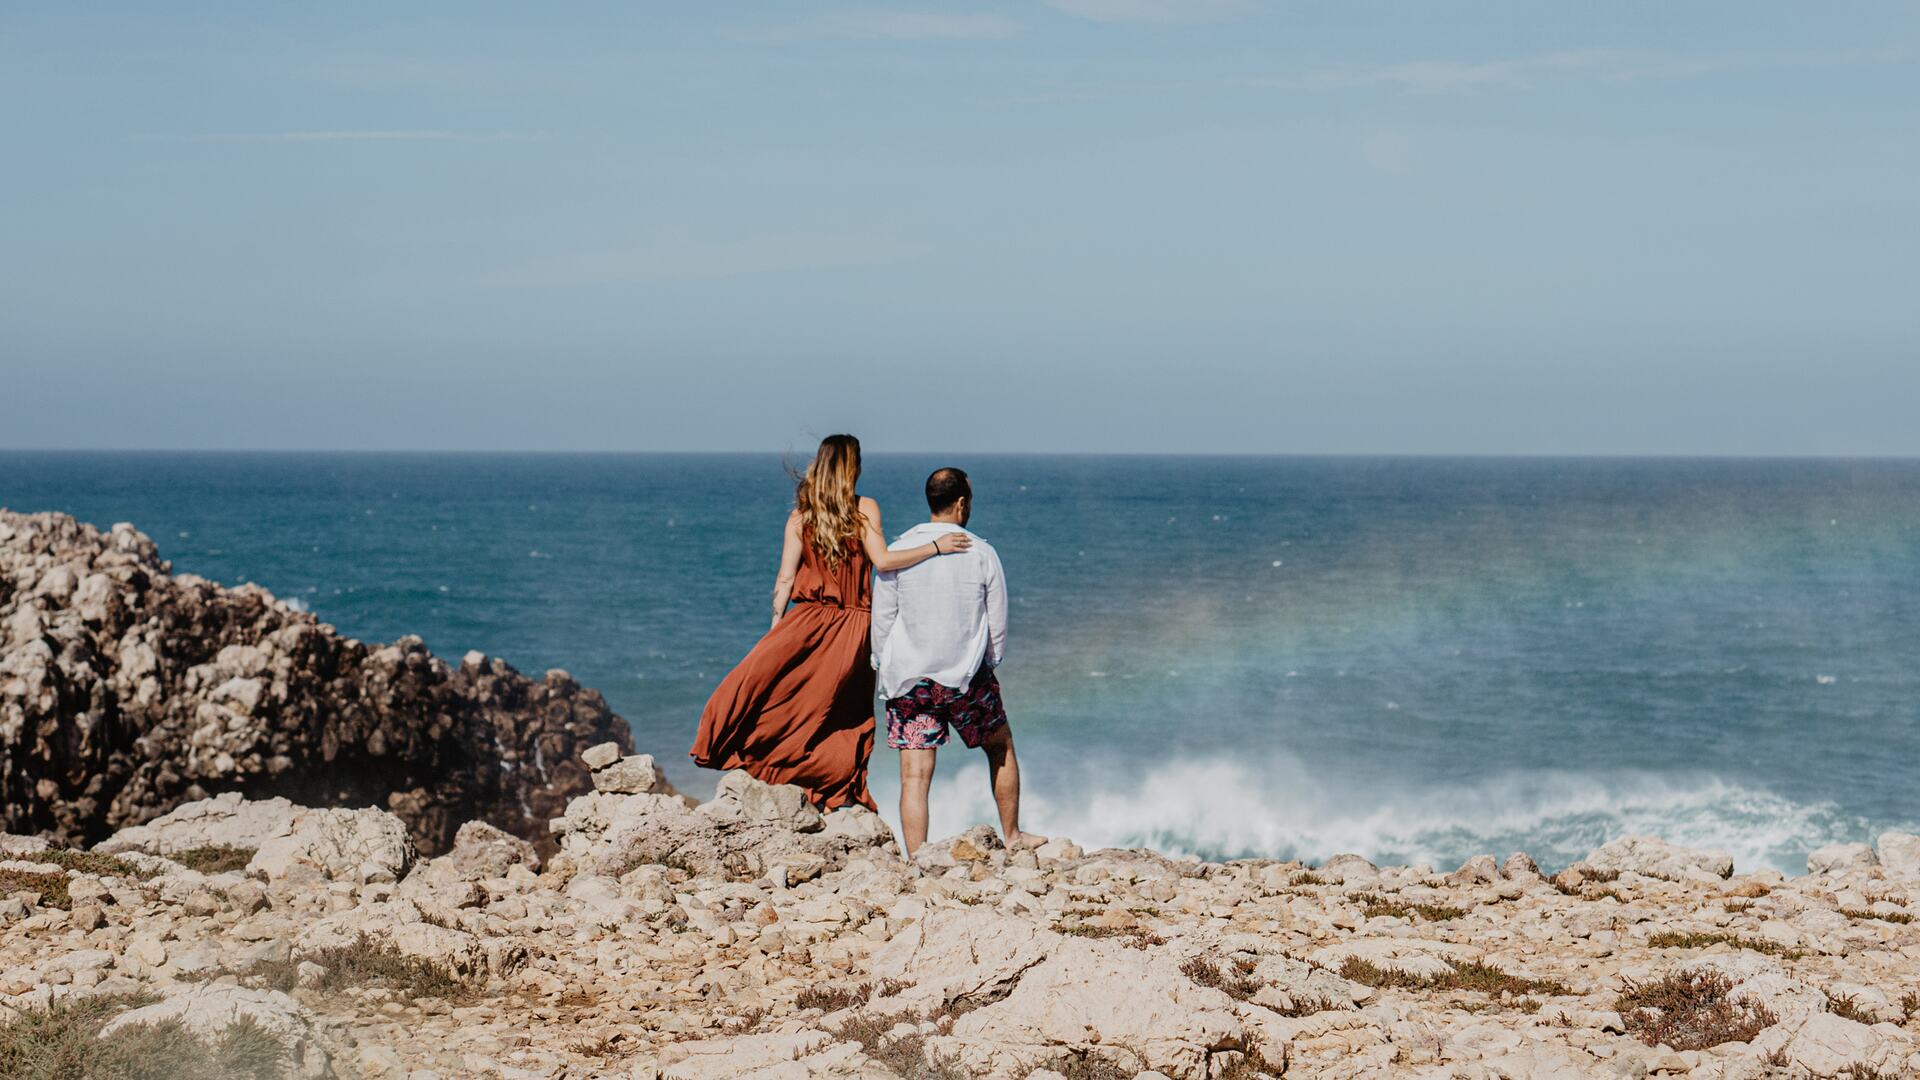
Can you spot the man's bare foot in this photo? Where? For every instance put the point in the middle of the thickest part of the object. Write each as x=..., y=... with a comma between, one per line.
x=1023, y=840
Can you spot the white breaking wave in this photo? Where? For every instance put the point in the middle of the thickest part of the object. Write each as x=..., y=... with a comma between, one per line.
x=1279, y=809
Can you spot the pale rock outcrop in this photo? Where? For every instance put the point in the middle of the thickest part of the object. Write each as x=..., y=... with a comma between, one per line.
x=1098, y=994
x=208, y=1011
x=1347, y=868
x=1478, y=870
x=803, y=1055
x=359, y=845
x=404, y=925
x=480, y=852
x=741, y=798
x=955, y=955
x=1829, y=1045
x=1899, y=854
x=749, y=830
x=1841, y=859
x=1654, y=857
x=1519, y=867
x=1758, y=980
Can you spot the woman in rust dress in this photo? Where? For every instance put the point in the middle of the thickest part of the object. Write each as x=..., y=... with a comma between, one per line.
x=799, y=709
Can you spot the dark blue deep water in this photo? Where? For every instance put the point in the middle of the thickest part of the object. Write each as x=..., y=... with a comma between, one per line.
x=1405, y=657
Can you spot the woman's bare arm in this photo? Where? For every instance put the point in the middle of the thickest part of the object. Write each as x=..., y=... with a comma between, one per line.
x=874, y=539
x=789, y=566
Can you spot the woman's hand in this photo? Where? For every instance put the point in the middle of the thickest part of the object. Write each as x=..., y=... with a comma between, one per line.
x=951, y=543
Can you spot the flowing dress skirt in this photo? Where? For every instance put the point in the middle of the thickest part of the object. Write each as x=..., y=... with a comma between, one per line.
x=799, y=708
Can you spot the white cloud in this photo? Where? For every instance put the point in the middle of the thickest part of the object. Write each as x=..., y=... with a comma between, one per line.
x=356, y=136
x=1150, y=11
x=897, y=25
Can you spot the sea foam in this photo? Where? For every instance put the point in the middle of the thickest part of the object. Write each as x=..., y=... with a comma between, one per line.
x=1221, y=809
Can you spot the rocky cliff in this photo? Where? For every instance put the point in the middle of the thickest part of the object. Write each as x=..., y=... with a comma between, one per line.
x=126, y=690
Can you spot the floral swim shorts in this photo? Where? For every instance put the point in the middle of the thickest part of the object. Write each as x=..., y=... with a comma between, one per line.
x=918, y=719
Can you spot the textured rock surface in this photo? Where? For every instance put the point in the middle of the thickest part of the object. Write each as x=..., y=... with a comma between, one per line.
x=126, y=691
x=1655, y=857
x=698, y=942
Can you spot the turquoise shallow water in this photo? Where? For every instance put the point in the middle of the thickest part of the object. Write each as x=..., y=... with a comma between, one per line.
x=1408, y=658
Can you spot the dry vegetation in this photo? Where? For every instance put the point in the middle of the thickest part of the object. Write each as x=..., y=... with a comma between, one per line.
x=214, y=858
x=1374, y=905
x=1138, y=937
x=1689, y=1011
x=1237, y=983
x=1674, y=939
x=85, y=862
x=1465, y=975
x=906, y=1053
x=64, y=1042
x=49, y=888
x=1861, y=914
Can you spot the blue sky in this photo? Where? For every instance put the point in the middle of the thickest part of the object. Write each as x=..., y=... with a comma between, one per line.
x=1103, y=225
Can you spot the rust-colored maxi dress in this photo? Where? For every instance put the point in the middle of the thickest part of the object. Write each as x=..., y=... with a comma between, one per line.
x=799, y=708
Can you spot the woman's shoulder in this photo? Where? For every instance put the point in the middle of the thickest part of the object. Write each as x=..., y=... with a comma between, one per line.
x=867, y=502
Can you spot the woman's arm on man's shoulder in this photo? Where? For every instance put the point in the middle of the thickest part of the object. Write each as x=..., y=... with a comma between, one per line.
x=885, y=560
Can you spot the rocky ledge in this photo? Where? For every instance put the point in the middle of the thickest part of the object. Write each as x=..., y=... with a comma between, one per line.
x=752, y=936
x=126, y=690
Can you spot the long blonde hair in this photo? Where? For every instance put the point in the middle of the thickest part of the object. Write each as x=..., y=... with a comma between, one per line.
x=824, y=497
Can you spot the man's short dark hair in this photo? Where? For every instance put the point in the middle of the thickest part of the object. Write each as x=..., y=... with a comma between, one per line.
x=945, y=488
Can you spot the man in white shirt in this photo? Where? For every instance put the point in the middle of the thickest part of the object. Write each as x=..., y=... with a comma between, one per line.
x=939, y=630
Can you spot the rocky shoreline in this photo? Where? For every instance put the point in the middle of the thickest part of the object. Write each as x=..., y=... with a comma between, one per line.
x=753, y=936
x=240, y=845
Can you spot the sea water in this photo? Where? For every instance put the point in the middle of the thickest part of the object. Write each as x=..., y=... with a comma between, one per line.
x=1408, y=658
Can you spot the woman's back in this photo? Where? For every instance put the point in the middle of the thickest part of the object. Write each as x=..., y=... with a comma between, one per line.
x=848, y=584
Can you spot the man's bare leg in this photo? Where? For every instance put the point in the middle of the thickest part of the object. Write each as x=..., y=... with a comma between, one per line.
x=916, y=776
x=1003, y=771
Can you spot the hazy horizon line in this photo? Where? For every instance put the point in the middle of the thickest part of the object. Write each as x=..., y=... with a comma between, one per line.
x=1622, y=455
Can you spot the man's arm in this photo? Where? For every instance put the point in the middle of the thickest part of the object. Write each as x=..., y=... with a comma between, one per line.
x=996, y=610
x=886, y=609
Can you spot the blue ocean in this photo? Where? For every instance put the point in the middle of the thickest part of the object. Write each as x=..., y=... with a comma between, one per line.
x=1410, y=658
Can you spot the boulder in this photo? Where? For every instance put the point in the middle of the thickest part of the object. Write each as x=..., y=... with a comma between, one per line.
x=208, y=1011
x=1841, y=858
x=1899, y=854
x=480, y=852
x=1654, y=857
x=743, y=799
x=801, y=1055
x=1088, y=994
x=635, y=774
x=1347, y=868
x=857, y=825
x=1479, y=870
x=1829, y=1045
x=749, y=830
x=600, y=755
x=356, y=845
x=955, y=955
x=1519, y=867
x=1026, y=995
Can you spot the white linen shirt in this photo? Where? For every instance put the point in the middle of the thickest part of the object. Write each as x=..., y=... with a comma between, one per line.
x=941, y=618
